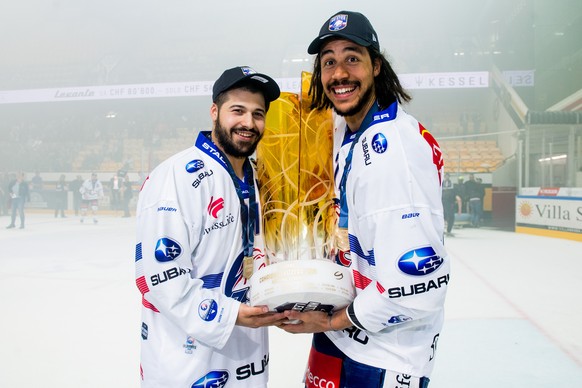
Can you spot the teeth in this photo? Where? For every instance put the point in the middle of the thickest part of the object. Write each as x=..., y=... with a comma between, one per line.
x=344, y=90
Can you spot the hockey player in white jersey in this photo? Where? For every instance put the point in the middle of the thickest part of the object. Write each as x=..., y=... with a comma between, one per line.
x=197, y=221
x=388, y=179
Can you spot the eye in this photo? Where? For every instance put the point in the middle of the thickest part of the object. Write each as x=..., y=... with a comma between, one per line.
x=259, y=115
x=327, y=62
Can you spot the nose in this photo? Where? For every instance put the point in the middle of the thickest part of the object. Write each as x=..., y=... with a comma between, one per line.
x=340, y=72
x=247, y=121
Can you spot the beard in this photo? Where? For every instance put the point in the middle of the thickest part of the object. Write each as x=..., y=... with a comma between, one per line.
x=229, y=147
x=361, y=104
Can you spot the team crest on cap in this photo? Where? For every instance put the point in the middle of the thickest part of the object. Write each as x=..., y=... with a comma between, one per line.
x=247, y=70
x=338, y=22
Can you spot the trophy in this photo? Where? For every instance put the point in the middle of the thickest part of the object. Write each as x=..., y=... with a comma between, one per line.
x=299, y=215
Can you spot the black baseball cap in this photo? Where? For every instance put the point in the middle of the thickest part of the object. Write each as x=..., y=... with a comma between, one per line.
x=232, y=77
x=348, y=25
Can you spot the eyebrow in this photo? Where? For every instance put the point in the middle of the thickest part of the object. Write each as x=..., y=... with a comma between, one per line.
x=354, y=48
x=246, y=108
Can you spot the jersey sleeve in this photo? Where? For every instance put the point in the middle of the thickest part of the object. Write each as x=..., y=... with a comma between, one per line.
x=166, y=243
x=409, y=283
x=403, y=266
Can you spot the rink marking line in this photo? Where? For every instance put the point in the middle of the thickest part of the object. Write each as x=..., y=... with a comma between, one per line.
x=514, y=306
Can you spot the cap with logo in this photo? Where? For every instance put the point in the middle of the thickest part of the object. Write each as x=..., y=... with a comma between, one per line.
x=348, y=25
x=236, y=75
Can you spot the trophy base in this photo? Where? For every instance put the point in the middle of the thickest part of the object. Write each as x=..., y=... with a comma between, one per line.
x=302, y=285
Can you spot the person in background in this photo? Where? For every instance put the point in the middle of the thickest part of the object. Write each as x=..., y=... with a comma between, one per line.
x=4, y=197
x=115, y=186
x=91, y=192
x=475, y=193
x=450, y=204
x=388, y=181
x=19, y=193
x=74, y=187
x=126, y=195
x=37, y=182
x=197, y=225
x=61, y=197
x=461, y=192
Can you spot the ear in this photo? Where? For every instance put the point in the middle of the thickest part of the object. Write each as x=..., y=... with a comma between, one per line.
x=214, y=112
x=377, y=66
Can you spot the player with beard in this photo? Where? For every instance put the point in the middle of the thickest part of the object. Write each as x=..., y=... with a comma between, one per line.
x=197, y=221
x=388, y=182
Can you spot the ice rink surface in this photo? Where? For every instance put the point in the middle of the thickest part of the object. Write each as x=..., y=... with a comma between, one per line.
x=71, y=311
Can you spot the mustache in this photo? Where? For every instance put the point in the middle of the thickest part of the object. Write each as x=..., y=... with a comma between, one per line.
x=242, y=129
x=343, y=83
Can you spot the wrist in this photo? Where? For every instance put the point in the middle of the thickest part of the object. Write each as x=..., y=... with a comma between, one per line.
x=329, y=323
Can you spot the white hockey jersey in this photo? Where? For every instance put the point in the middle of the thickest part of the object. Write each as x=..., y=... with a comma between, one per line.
x=91, y=190
x=395, y=225
x=189, y=257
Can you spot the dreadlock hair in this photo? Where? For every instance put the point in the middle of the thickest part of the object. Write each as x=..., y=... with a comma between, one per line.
x=387, y=85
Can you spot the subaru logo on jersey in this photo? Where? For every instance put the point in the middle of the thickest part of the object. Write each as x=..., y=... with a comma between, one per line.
x=338, y=22
x=215, y=378
x=420, y=262
x=398, y=319
x=167, y=250
x=194, y=165
x=379, y=143
x=215, y=206
x=208, y=309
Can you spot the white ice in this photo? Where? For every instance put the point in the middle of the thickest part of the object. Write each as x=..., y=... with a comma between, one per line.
x=71, y=312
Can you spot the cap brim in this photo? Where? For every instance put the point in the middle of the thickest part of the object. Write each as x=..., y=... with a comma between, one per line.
x=270, y=87
x=315, y=46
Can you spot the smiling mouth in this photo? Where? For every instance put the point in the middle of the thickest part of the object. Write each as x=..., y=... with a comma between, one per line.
x=343, y=90
x=245, y=134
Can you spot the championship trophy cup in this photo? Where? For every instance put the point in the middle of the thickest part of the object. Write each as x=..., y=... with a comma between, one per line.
x=295, y=174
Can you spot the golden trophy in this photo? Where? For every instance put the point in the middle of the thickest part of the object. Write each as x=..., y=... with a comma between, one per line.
x=295, y=174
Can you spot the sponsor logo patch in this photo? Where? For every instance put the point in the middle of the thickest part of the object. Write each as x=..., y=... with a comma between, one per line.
x=194, y=165
x=208, y=309
x=214, y=379
x=379, y=143
x=167, y=250
x=420, y=262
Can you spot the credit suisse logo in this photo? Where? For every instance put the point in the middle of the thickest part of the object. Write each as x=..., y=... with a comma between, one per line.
x=215, y=206
x=420, y=262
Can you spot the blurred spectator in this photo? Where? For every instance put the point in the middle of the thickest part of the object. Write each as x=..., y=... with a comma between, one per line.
x=460, y=191
x=91, y=192
x=4, y=197
x=19, y=194
x=115, y=187
x=74, y=186
x=61, y=197
x=475, y=193
x=126, y=195
x=449, y=203
x=37, y=182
